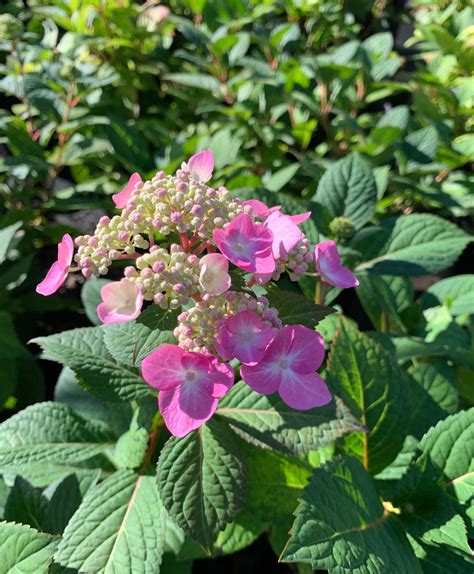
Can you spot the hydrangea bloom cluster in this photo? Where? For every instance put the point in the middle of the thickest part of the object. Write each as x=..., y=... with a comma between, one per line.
x=179, y=236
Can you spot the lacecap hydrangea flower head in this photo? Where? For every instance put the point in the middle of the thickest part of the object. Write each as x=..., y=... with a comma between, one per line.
x=181, y=239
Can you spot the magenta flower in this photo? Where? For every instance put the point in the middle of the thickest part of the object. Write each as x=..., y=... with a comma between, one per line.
x=214, y=278
x=190, y=385
x=328, y=264
x=200, y=165
x=243, y=336
x=246, y=244
x=121, y=301
x=59, y=269
x=121, y=199
x=288, y=366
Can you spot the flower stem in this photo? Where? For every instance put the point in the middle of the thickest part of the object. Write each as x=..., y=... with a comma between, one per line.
x=320, y=291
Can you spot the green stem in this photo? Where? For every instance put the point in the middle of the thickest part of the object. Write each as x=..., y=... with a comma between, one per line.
x=320, y=291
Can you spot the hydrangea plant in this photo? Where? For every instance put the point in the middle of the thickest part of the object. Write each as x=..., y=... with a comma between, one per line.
x=180, y=235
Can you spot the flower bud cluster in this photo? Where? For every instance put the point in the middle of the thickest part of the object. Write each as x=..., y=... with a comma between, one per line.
x=198, y=327
x=296, y=262
x=165, y=205
x=168, y=277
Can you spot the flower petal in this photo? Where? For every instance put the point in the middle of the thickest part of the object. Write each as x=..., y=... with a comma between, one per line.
x=264, y=377
x=221, y=380
x=121, y=199
x=213, y=277
x=162, y=369
x=65, y=251
x=185, y=408
x=300, y=217
x=121, y=301
x=307, y=349
x=303, y=392
x=53, y=280
x=201, y=165
x=246, y=336
x=286, y=234
x=329, y=266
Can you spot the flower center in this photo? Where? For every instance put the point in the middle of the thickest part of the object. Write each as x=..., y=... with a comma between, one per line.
x=190, y=376
x=284, y=364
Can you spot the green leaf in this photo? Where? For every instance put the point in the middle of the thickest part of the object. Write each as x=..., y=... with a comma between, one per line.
x=436, y=559
x=65, y=497
x=375, y=389
x=397, y=117
x=119, y=527
x=84, y=351
x=267, y=421
x=450, y=445
x=341, y=525
x=156, y=318
x=201, y=479
x=6, y=236
x=294, y=308
x=129, y=343
x=433, y=396
x=48, y=433
x=280, y=178
x=411, y=245
x=457, y=293
x=25, y=550
x=10, y=345
x=384, y=298
x=25, y=504
x=420, y=148
x=202, y=81
x=348, y=188
x=90, y=297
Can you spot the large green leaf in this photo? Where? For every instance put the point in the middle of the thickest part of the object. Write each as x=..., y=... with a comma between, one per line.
x=348, y=188
x=25, y=550
x=341, y=525
x=119, y=527
x=267, y=421
x=201, y=479
x=48, y=433
x=457, y=293
x=84, y=351
x=412, y=245
x=375, y=389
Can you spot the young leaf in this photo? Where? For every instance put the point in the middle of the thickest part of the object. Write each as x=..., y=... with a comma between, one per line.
x=267, y=421
x=348, y=188
x=84, y=351
x=24, y=549
x=457, y=293
x=119, y=527
x=341, y=525
x=375, y=389
x=201, y=479
x=412, y=245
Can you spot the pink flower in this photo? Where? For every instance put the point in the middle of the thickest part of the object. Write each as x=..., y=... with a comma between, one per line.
x=121, y=199
x=243, y=336
x=190, y=385
x=288, y=367
x=213, y=277
x=246, y=244
x=328, y=264
x=121, y=301
x=200, y=165
x=59, y=269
